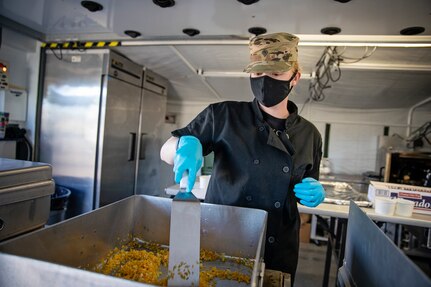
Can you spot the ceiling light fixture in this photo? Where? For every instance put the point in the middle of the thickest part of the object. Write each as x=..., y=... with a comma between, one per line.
x=164, y=3
x=330, y=30
x=248, y=2
x=317, y=40
x=342, y=1
x=191, y=32
x=367, y=44
x=92, y=6
x=257, y=30
x=131, y=33
x=412, y=31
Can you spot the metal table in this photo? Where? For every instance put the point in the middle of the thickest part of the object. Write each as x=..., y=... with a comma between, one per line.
x=338, y=215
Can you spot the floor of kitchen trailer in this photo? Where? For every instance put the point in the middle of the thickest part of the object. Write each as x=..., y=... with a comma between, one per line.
x=311, y=265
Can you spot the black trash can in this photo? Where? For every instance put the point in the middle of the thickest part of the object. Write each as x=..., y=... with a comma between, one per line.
x=59, y=202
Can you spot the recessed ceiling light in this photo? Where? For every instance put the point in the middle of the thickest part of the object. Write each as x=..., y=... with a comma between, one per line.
x=412, y=30
x=248, y=2
x=164, y=3
x=91, y=6
x=131, y=33
x=342, y=1
x=191, y=32
x=257, y=30
x=330, y=30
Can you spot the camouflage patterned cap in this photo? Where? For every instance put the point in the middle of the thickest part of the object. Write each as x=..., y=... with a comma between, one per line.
x=276, y=52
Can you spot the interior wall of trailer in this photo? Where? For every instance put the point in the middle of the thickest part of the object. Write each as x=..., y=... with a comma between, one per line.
x=353, y=137
x=22, y=55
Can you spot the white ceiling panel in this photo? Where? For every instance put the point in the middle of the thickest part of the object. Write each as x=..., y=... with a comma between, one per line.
x=388, y=78
x=223, y=17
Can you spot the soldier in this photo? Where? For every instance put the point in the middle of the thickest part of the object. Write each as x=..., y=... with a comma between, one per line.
x=266, y=156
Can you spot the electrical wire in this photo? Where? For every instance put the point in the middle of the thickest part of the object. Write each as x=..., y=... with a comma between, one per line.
x=328, y=70
x=79, y=46
x=419, y=134
x=303, y=106
x=59, y=57
x=355, y=60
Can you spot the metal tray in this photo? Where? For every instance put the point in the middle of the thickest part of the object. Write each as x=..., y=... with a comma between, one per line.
x=24, y=208
x=87, y=239
x=342, y=192
x=19, y=172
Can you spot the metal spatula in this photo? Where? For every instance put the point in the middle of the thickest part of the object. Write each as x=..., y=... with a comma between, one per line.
x=184, y=238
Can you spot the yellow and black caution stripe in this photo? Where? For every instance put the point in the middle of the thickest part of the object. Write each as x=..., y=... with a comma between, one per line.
x=81, y=45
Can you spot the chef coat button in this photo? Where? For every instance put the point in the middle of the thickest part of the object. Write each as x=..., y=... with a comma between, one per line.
x=248, y=197
x=256, y=161
x=285, y=169
x=261, y=128
x=271, y=239
x=277, y=204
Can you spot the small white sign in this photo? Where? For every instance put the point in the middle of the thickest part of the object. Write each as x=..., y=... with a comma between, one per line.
x=76, y=59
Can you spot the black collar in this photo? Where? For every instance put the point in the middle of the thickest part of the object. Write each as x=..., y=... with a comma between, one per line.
x=291, y=107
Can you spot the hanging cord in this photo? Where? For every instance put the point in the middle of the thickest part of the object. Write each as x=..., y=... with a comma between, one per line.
x=355, y=60
x=328, y=70
x=78, y=46
x=419, y=134
x=74, y=46
x=303, y=106
x=60, y=56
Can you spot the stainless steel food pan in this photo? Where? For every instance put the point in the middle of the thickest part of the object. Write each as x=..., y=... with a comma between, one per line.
x=19, y=172
x=85, y=240
x=24, y=207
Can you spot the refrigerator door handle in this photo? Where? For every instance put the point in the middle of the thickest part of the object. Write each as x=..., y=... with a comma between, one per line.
x=132, y=141
x=142, y=147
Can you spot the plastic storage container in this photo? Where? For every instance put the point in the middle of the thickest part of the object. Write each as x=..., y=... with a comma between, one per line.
x=404, y=207
x=385, y=206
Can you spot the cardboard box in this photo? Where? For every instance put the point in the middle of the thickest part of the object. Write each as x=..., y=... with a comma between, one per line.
x=304, y=233
x=420, y=195
x=305, y=228
x=305, y=218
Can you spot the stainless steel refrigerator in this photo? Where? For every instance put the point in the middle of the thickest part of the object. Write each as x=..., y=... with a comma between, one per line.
x=95, y=122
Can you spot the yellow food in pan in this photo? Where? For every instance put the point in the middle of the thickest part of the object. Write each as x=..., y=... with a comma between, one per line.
x=144, y=262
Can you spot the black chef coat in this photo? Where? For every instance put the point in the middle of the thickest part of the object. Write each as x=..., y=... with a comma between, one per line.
x=254, y=168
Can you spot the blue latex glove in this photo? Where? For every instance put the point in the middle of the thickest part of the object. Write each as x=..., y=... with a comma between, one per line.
x=188, y=159
x=310, y=192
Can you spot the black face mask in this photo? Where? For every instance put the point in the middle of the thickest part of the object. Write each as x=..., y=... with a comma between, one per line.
x=270, y=92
